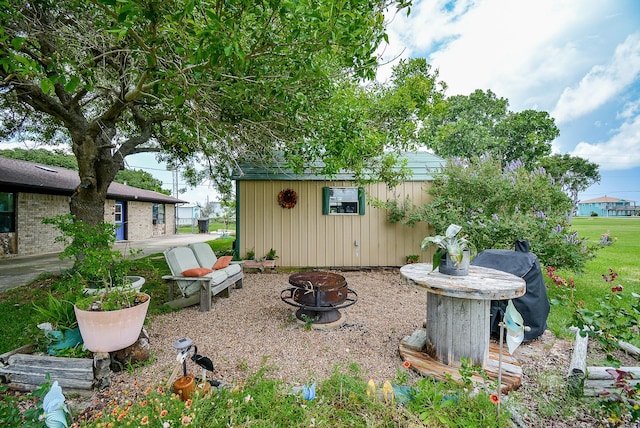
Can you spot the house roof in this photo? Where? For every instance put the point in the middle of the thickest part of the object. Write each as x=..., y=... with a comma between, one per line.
x=605, y=198
x=422, y=164
x=29, y=177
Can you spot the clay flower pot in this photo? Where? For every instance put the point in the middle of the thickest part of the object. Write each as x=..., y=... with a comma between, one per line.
x=108, y=331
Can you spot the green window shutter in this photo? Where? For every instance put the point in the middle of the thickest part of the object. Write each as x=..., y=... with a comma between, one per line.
x=325, y=201
x=361, y=201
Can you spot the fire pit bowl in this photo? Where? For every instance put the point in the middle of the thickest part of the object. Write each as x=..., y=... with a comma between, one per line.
x=318, y=296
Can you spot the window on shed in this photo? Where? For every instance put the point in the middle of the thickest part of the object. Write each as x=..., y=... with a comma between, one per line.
x=158, y=213
x=343, y=200
x=7, y=212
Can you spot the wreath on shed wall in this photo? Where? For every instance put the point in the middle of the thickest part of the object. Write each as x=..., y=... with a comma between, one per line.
x=287, y=198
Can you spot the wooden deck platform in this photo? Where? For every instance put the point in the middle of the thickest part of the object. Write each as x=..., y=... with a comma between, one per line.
x=428, y=366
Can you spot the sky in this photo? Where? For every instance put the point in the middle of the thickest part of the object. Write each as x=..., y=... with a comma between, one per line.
x=579, y=60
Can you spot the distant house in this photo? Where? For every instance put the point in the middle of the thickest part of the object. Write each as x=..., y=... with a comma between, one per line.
x=606, y=206
x=188, y=215
x=30, y=192
x=312, y=221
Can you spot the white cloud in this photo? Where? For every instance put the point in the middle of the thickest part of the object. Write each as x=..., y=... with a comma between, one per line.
x=602, y=83
x=524, y=51
x=622, y=151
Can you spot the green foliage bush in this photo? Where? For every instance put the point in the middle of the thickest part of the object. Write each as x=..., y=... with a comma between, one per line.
x=498, y=205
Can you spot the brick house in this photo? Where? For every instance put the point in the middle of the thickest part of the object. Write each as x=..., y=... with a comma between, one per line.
x=30, y=192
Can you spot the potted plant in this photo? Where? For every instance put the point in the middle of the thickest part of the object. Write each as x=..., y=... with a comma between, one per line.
x=412, y=258
x=453, y=254
x=271, y=255
x=109, y=311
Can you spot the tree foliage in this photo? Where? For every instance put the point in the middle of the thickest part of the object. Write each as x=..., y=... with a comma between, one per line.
x=480, y=123
x=199, y=81
x=498, y=205
x=42, y=156
x=375, y=122
x=140, y=179
x=574, y=173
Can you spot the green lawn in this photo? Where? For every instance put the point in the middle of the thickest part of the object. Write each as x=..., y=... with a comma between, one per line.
x=213, y=227
x=622, y=257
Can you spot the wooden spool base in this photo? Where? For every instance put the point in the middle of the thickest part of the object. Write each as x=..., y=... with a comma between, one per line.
x=428, y=366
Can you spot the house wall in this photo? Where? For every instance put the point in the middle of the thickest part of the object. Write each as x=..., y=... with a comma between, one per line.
x=608, y=209
x=303, y=237
x=32, y=237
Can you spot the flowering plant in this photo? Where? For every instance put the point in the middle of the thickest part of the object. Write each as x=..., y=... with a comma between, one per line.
x=158, y=407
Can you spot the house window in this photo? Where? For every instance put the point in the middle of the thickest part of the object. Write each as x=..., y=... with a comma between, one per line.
x=343, y=200
x=7, y=212
x=158, y=213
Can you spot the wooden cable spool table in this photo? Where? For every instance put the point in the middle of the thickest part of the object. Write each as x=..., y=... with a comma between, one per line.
x=458, y=318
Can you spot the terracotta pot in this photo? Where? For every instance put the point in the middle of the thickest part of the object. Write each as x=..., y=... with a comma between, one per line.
x=450, y=267
x=108, y=331
x=184, y=386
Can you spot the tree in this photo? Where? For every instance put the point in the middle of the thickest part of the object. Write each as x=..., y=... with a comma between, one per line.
x=209, y=81
x=480, y=123
x=373, y=122
x=132, y=177
x=574, y=173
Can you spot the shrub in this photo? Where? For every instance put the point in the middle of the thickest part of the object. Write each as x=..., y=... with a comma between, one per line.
x=497, y=206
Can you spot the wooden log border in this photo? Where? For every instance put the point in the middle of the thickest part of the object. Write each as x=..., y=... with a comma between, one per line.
x=23, y=371
x=592, y=381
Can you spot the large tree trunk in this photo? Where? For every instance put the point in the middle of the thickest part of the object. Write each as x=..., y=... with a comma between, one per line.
x=97, y=169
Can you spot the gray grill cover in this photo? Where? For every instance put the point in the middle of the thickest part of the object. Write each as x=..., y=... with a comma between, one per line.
x=534, y=304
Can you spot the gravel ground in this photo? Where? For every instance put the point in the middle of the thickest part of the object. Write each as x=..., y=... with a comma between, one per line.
x=254, y=327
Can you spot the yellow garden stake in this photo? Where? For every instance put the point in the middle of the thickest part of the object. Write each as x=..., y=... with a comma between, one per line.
x=387, y=393
x=371, y=389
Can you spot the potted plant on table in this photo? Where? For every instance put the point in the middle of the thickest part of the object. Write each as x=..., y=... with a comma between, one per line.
x=454, y=252
x=109, y=309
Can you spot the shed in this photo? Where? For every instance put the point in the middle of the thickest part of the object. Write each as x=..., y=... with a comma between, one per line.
x=313, y=221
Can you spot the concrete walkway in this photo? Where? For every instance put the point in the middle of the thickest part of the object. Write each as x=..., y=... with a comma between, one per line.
x=21, y=270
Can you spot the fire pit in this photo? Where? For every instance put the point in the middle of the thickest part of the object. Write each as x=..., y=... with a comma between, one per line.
x=318, y=296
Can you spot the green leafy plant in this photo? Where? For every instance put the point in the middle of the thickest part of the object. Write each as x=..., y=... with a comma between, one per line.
x=614, y=319
x=412, y=258
x=96, y=264
x=271, y=255
x=251, y=254
x=308, y=321
x=397, y=211
x=58, y=312
x=449, y=243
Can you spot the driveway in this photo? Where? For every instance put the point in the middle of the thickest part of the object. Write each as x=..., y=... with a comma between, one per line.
x=21, y=270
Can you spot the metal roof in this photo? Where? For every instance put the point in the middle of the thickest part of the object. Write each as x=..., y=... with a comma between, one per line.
x=422, y=164
x=606, y=198
x=29, y=177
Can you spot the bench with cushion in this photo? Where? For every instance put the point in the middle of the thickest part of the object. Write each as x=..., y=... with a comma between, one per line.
x=199, y=275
